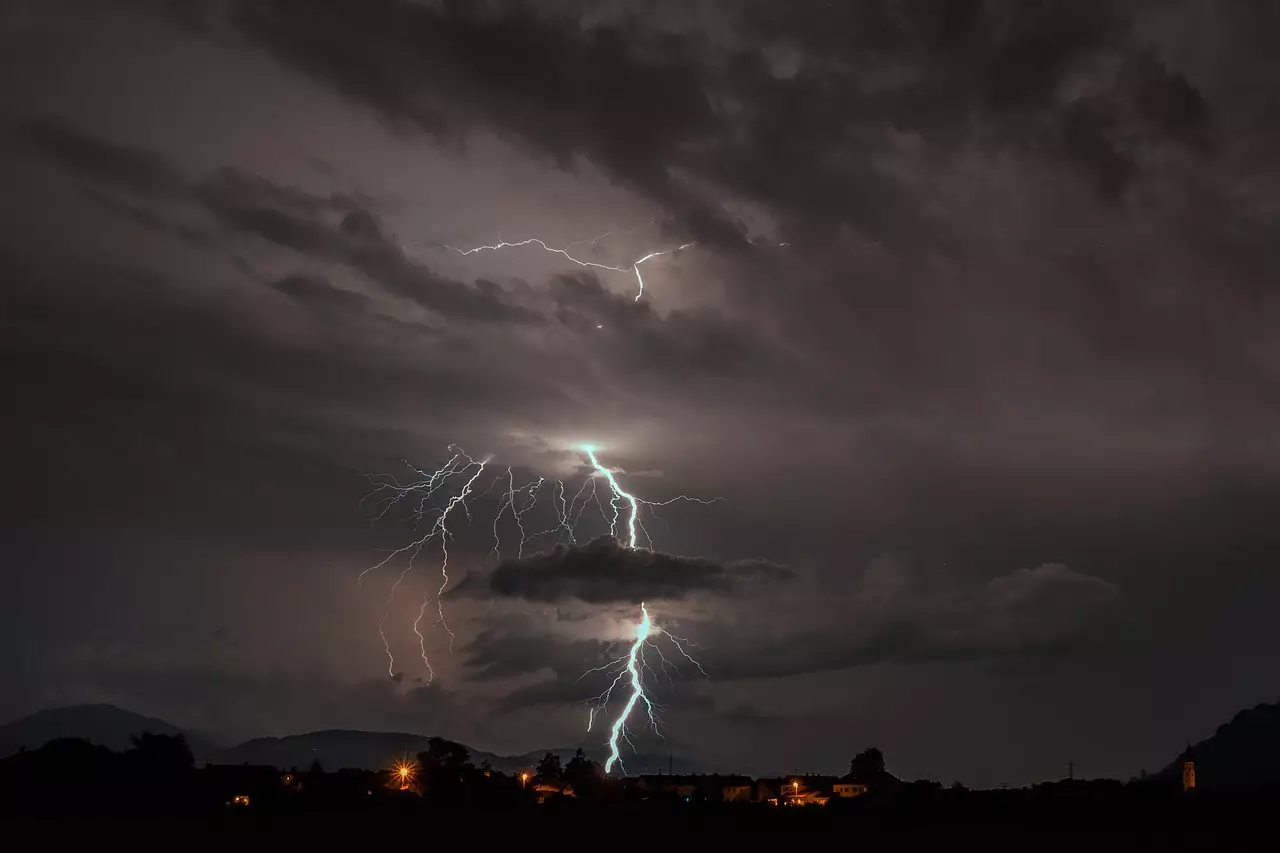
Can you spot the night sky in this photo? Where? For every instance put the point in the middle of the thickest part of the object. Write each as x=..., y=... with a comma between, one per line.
x=977, y=342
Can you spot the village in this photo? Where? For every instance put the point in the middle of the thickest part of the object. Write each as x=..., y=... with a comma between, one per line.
x=802, y=790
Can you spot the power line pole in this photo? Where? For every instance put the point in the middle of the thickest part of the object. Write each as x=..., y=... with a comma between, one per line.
x=1071, y=770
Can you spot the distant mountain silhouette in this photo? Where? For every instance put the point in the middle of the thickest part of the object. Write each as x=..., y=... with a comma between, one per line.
x=337, y=748
x=1242, y=754
x=105, y=725
x=112, y=727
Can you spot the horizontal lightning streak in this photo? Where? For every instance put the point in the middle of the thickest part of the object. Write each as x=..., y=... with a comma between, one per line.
x=633, y=267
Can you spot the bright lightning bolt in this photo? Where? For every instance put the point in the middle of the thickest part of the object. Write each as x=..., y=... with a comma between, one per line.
x=651, y=255
x=637, y=689
x=630, y=669
x=420, y=493
x=618, y=494
x=634, y=660
x=633, y=518
x=633, y=267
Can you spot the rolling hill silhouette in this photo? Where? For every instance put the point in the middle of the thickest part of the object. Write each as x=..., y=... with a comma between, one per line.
x=105, y=725
x=112, y=727
x=1242, y=754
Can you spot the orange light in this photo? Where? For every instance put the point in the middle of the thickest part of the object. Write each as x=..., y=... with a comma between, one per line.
x=403, y=774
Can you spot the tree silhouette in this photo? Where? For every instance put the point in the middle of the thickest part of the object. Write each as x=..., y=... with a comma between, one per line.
x=158, y=767
x=446, y=768
x=868, y=764
x=160, y=755
x=550, y=767
x=446, y=756
x=65, y=774
x=584, y=775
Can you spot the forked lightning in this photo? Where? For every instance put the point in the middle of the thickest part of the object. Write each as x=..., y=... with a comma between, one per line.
x=422, y=491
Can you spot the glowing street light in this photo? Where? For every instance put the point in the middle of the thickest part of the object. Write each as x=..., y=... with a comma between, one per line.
x=404, y=773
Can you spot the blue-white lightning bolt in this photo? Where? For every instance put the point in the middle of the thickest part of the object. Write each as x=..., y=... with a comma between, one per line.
x=632, y=668
x=618, y=729
x=632, y=665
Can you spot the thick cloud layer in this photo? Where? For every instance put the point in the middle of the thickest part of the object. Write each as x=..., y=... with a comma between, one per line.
x=986, y=286
x=603, y=571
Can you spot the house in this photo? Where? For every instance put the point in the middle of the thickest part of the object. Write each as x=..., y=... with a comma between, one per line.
x=548, y=789
x=737, y=789
x=769, y=790
x=808, y=790
x=850, y=785
x=672, y=785
x=700, y=787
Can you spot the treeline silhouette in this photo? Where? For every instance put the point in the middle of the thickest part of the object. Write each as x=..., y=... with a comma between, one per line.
x=157, y=775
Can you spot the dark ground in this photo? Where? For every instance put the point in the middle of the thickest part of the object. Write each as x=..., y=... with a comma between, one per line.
x=304, y=831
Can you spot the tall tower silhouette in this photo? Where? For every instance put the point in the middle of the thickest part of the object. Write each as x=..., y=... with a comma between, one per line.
x=1188, y=770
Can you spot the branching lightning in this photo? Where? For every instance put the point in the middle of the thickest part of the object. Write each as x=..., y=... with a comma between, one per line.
x=633, y=267
x=631, y=669
x=633, y=517
x=424, y=489
x=618, y=729
x=424, y=495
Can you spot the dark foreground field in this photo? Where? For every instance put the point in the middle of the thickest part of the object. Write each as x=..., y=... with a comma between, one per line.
x=739, y=830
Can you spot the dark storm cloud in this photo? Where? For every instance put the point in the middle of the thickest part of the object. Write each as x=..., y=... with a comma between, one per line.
x=322, y=296
x=498, y=654
x=1066, y=82
x=495, y=655
x=143, y=375
x=746, y=714
x=1026, y=312
x=1062, y=82
x=677, y=346
x=988, y=131
x=604, y=572
x=249, y=385
x=1041, y=613
x=628, y=106
x=571, y=690
x=334, y=228
x=671, y=347
x=132, y=168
